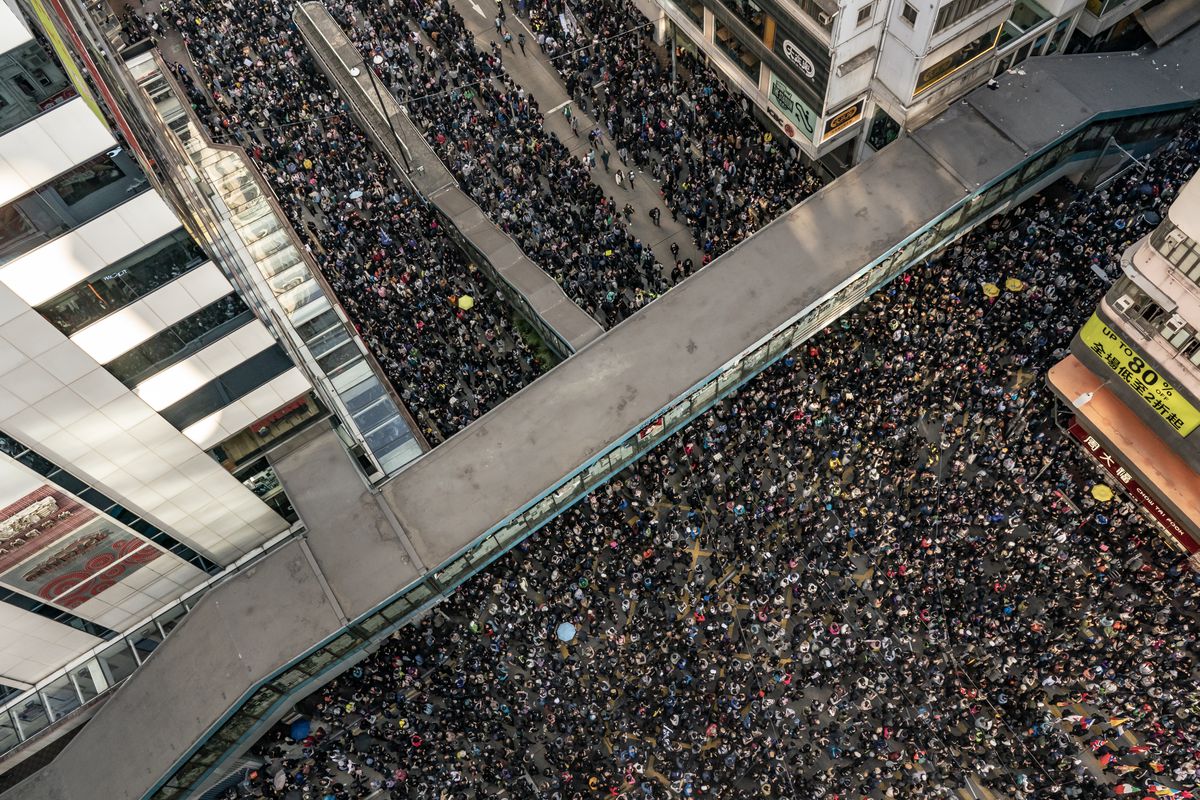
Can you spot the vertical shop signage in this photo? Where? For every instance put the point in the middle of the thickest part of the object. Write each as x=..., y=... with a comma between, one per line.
x=789, y=111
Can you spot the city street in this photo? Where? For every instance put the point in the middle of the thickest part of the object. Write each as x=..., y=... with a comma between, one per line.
x=877, y=571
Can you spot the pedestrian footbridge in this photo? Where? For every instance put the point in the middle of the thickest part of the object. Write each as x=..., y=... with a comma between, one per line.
x=374, y=558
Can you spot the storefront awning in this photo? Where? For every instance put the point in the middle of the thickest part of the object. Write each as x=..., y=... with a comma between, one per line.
x=1137, y=460
x=1168, y=19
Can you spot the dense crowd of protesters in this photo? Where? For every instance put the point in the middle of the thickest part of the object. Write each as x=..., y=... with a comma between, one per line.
x=489, y=131
x=875, y=571
x=382, y=250
x=722, y=171
x=716, y=165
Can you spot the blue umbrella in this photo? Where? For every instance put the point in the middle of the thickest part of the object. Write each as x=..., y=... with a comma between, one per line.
x=565, y=632
x=300, y=729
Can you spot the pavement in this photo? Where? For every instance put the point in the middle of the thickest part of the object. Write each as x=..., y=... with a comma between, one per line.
x=533, y=71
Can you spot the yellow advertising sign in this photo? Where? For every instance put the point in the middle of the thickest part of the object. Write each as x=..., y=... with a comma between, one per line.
x=64, y=56
x=1130, y=367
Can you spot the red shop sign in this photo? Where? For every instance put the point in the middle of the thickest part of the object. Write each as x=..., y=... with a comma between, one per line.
x=1134, y=489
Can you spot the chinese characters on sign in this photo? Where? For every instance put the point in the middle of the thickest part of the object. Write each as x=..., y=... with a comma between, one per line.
x=1132, y=488
x=1130, y=367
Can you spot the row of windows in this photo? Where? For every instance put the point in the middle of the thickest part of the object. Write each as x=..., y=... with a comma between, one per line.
x=29, y=715
x=228, y=387
x=1177, y=247
x=123, y=282
x=186, y=337
x=68, y=482
x=80, y=194
x=31, y=82
x=49, y=612
x=740, y=54
x=801, y=52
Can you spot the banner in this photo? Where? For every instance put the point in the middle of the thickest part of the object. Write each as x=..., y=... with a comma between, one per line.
x=1129, y=366
x=36, y=520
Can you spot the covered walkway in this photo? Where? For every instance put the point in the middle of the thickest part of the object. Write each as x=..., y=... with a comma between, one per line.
x=564, y=326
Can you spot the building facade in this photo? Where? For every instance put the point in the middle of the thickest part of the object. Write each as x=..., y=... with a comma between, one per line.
x=1132, y=380
x=140, y=391
x=843, y=78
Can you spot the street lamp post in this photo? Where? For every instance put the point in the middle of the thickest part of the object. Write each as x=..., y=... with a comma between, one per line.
x=378, y=61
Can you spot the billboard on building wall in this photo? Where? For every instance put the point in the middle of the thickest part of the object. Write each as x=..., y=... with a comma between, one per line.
x=80, y=566
x=791, y=113
x=1131, y=367
x=54, y=547
x=37, y=519
x=846, y=118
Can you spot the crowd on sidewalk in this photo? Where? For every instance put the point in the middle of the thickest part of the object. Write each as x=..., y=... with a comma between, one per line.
x=720, y=169
x=875, y=571
x=384, y=252
x=490, y=133
x=714, y=164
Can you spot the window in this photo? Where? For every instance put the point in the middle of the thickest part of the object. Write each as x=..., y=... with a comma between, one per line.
x=694, y=11
x=31, y=83
x=172, y=345
x=66, y=202
x=741, y=55
x=956, y=10
x=123, y=282
x=61, y=697
x=1177, y=247
x=318, y=325
x=750, y=13
x=817, y=14
x=864, y=14
x=227, y=387
x=1060, y=32
x=909, y=13
x=1152, y=312
x=956, y=60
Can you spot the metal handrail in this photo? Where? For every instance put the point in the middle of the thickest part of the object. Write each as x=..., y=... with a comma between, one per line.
x=10, y=706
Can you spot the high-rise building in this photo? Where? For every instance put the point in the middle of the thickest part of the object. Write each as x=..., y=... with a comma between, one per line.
x=843, y=78
x=139, y=390
x=1132, y=380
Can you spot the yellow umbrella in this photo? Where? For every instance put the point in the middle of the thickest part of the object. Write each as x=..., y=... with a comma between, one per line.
x=1014, y=284
x=466, y=302
x=991, y=290
x=1102, y=493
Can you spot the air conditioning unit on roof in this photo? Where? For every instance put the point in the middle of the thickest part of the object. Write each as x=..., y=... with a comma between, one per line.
x=1122, y=304
x=1173, y=325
